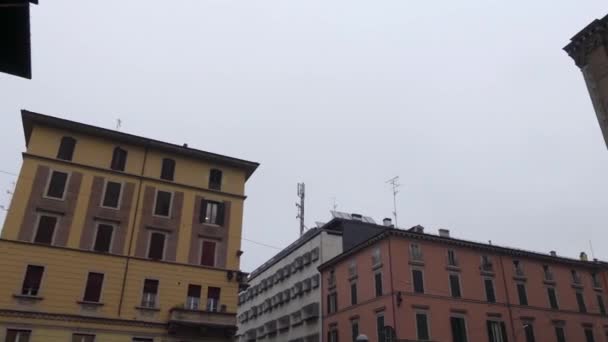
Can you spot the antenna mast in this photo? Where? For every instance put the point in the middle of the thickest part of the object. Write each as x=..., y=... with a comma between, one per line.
x=118, y=124
x=300, y=206
x=394, y=182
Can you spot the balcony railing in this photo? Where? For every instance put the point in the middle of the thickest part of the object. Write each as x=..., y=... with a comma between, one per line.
x=202, y=318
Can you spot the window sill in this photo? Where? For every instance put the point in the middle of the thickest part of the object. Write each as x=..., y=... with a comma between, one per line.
x=487, y=273
x=27, y=297
x=598, y=289
x=147, y=308
x=168, y=217
x=452, y=268
x=577, y=286
x=54, y=198
x=520, y=278
x=211, y=225
x=549, y=282
x=84, y=302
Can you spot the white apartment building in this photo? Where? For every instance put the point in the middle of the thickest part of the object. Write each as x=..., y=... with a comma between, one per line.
x=283, y=302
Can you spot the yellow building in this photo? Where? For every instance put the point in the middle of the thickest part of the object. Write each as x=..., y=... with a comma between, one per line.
x=116, y=237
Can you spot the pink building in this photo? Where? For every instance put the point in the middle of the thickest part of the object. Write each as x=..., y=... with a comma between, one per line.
x=437, y=288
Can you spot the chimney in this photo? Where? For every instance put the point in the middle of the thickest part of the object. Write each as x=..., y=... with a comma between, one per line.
x=444, y=233
x=584, y=256
x=387, y=222
x=417, y=229
x=356, y=217
x=185, y=145
x=553, y=253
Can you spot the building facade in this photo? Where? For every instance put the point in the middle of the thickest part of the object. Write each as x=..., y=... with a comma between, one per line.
x=283, y=302
x=415, y=286
x=589, y=49
x=115, y=237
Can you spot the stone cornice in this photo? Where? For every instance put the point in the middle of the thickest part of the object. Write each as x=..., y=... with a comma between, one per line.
x=590, y=38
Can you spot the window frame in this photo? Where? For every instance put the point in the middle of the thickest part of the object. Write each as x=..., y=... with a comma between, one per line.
x=563, y=329
x=455, y=259
x=354, y=295
x=220, y=213
x=162, y=169
x=428, y=325
x=221, y=180
x=378, y=315
x=549, y=297
x=114, y=228
x=354, y=322
x=376, y=294
x=54, y=235
x=104, y=194
x=413, y=269
x=200, y=253
x=142, y=339
x=164, y=253
x=582, y=304
x=466, y=325
x=485, y=288
x=114, y=151
x=416, y=252
x=523, y=284
x=171, y=198
x=24, y=275
x=156, y=298
x=18, y=330
x=71, y=152
x=457, y=275
x=86, y=282
x=75, y=334
x=65, y=187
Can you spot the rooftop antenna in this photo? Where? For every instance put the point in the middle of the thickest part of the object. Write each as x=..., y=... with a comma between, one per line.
x=335, y=205
x=118, y=124
x=591, y=247
x=300, y=206
x=394, y=182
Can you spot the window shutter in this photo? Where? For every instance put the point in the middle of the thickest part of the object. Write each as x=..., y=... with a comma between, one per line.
x=203, y=211
x=220, y=214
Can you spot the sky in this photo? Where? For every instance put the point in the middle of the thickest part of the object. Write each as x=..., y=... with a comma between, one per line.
x=473, y=104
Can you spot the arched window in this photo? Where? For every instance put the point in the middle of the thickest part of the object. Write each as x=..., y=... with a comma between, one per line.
x=168, y=169
x=119, y=159
x=215, y=179
x=66, y=148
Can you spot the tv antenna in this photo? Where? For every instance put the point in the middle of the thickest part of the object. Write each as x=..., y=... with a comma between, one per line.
x=300, y=206
x=118, y=124
x=394, y=182
x=335, y=205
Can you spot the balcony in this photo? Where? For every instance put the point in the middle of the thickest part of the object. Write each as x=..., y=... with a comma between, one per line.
x=185, y=322
x=284, y=323
x=310, y=311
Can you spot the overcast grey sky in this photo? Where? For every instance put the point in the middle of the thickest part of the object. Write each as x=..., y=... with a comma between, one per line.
x=472, y=103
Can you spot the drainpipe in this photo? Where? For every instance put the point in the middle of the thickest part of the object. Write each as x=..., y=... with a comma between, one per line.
x=137, y=201
x=504, y=279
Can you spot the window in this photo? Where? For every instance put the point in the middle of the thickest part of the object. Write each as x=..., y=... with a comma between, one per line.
x=103, y=239
x=415, y=252
x=497, y=331
x=519, y=270
x=66, y=148
x=111, y=195
x=353, y=293
x=523, y=295
x=354, y=328
x=595, y=280
x=119, y=159
x=83, y=338
x=589, y=335
x=486, y=264
x=162, y=207
x=580, y=300
x=452, y=258
x=490, y=294
x=547, y=273
x=422, y=326
x=529, y=332
x=352, y=269
x=332, y=303
x=92, y=292
x=601, y=305
x=576, y=278
x=332, y=334
x=213, y=298
x=376, y=257
x=57, y=183
x=378, y=283
x=552, y=298
x=455, y=285
x=46, y=229
x=156, y=249
x=32, y=280
x=14, y=335
x=560, y=336
x=194, y=297
x=212, y=213
x=380, y=326
x=459, y=329
x=142, y=339
x=208, y=253
x=418, y=281
x=150, y=291
x=215, y=179
x=168, y=169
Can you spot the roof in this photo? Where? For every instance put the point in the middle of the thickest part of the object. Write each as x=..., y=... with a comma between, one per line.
x=307, y=236
x=589, y=38
x=412, y=234
x=30, y=119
